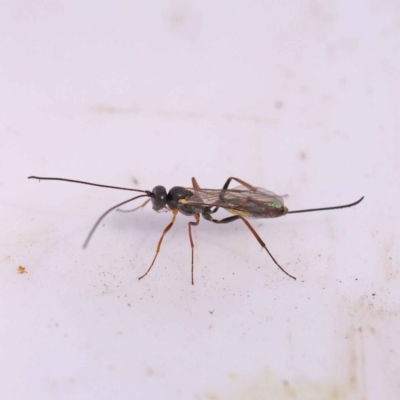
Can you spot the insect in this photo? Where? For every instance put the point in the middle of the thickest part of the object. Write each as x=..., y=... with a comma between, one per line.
x=244, y=201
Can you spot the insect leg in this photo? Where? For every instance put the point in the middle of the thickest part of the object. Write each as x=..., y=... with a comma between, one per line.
x=137, y=208
x=197, y=187
x=175, y=212
x=220, y=221
x=195, y=184
x=245, y=184
x=252, y=230
x=239, y=181
x=264, y=246
x=190, y=224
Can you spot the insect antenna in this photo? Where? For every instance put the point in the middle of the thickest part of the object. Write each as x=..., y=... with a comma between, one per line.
x=147, y=194
x=327, y=208
x=89, y=183
x=104, y=214
x=134, y=209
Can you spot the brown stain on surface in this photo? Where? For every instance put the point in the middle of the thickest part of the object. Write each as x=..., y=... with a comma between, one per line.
x=177, y=18
x=259, y=119
x=356, y=362
x=267, y=385
x=352, y=374
x=107, y=109
x=391, y=272
x=104, y=109
x=330, y=229
x=366, y=321
x=181, y=114
x=22, y=270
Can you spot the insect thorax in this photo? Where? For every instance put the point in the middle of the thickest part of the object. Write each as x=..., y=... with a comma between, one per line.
x=177, y=199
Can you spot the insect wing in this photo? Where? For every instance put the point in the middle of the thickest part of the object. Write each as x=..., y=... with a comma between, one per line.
x=255, y=203
x=249, y=203
x=258, y=194
x=204, y=197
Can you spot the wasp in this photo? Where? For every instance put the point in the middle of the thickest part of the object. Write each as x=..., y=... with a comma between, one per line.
x=244, y=202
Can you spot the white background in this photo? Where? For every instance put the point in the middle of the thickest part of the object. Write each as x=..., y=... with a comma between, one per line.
x=297, y=97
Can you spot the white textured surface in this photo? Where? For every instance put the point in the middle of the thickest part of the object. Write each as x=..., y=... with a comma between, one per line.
x=300, y=98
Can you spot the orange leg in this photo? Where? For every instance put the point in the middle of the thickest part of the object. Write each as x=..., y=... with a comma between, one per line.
x=252, y=230
x=197, y=187
x=195, y=184
x=134, y=209
x=190, y=224
x=239, y=181
x=174, y=212
x=264, y=246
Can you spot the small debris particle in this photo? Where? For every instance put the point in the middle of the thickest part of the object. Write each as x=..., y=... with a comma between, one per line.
x=303, y=156
x=22, y=270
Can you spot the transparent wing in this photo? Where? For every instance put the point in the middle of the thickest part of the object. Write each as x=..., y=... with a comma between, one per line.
x=251, y=202
x=259, y=194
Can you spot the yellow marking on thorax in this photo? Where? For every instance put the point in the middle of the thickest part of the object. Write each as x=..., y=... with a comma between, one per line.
x=237, y=212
